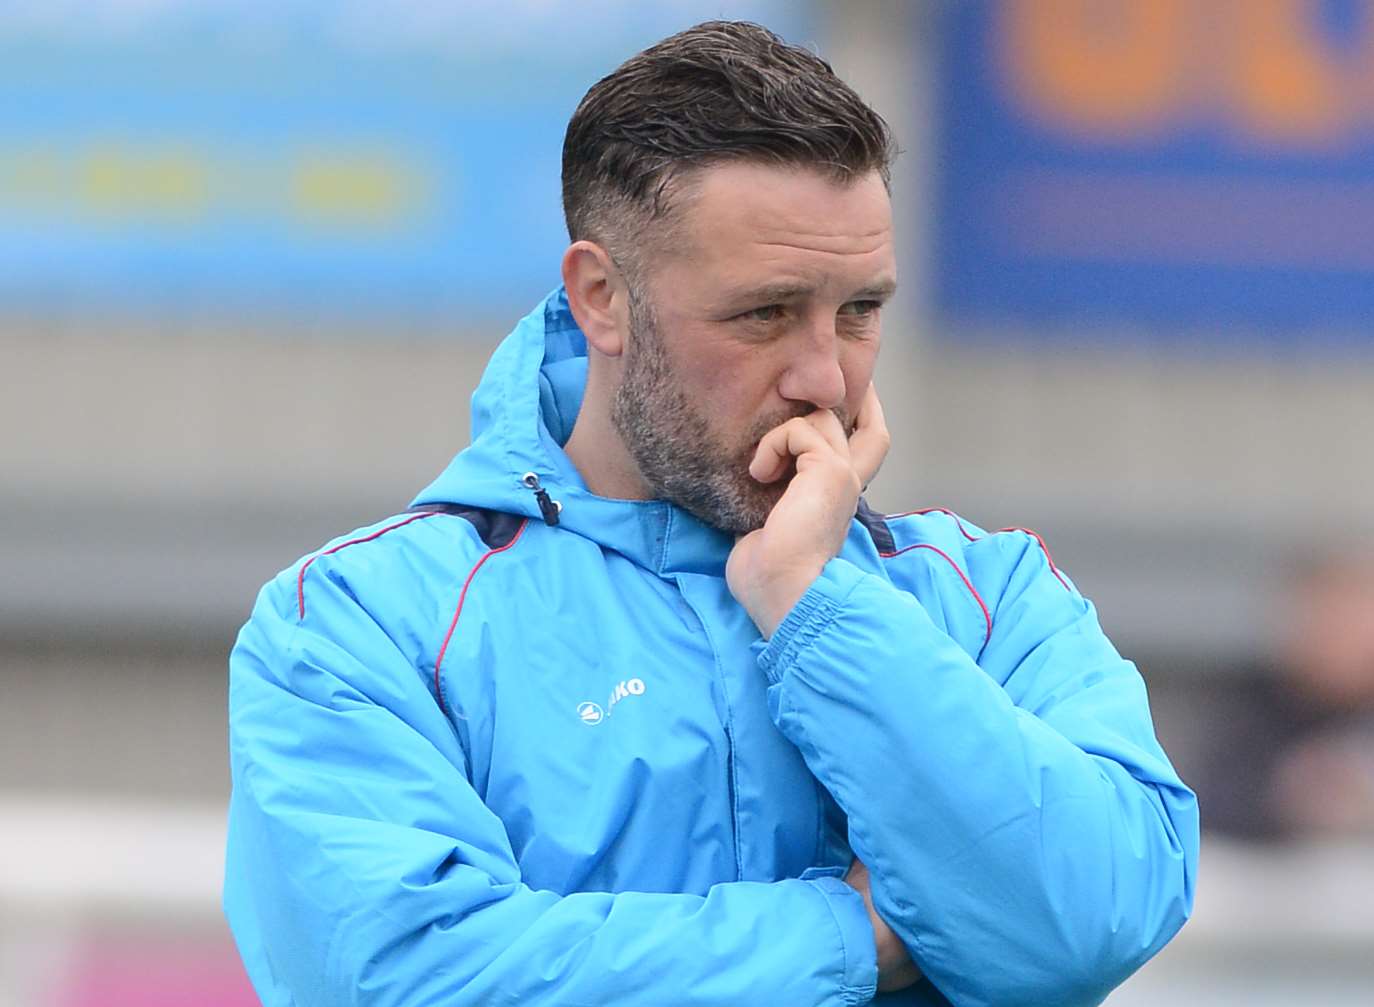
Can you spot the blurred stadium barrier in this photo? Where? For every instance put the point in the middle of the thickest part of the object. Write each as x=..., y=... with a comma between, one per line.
x=108, y=903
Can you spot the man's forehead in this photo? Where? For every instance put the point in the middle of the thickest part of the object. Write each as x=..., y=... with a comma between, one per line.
x=783, y=233
x=749, y=196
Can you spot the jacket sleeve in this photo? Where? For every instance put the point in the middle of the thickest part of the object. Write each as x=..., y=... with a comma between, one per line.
x=362, y=867
x=1025, y=834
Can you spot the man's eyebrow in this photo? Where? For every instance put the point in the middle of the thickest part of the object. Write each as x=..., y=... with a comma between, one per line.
x=880, y=291
x=776, y=293
x=771, y=293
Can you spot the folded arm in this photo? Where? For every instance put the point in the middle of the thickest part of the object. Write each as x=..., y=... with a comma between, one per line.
x=1026, y=836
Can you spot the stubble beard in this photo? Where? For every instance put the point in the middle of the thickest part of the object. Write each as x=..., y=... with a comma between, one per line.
x=680, y=457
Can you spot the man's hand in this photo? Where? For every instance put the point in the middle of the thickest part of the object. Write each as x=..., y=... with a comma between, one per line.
x=896, y=970
x=771, y=568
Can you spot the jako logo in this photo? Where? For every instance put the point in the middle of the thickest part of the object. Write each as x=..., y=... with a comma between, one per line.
x=591, y=713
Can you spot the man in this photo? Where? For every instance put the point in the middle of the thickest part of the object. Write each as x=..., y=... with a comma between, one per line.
x=639, y=703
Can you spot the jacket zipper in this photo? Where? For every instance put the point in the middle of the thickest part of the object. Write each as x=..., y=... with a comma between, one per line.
x=548, y=508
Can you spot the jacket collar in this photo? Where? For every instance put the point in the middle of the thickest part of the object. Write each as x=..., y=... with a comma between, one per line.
x=522, y=414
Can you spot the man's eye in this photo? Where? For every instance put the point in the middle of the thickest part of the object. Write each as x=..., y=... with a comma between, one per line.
x=770, y=313
x=861, y=308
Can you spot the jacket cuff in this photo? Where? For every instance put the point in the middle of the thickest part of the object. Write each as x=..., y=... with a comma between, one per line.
x=809, y=617
x=860, y=955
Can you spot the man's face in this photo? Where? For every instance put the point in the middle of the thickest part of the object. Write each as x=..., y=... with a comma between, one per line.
x=766, y=308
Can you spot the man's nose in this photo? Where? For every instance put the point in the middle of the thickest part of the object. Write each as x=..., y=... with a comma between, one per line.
x=814, y=374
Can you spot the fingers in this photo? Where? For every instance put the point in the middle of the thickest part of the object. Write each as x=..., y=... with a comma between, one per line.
x=868, y=446
x=864, y=450
x=780, y=445
x=827, y=424
x=857, y=876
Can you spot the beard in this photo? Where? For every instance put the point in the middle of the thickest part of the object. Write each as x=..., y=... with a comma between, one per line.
x=681, y=458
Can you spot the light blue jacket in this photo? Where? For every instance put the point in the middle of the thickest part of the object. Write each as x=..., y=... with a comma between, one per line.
x=484, y=759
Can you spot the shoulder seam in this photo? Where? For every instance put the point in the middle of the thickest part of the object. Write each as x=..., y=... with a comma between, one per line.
x=976, y=538
x=1043, y=548
x=300, y=577
x=936, y=510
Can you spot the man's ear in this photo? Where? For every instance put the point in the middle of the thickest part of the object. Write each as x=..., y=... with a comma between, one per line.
x=598, y=296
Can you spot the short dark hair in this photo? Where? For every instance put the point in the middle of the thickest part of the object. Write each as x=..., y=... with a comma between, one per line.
x=719, y=91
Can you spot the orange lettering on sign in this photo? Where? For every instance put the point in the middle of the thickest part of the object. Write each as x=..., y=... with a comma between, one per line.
x=1286, y=85
x=1115, y=67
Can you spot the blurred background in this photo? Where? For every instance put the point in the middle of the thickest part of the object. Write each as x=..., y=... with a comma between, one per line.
x=254, y=256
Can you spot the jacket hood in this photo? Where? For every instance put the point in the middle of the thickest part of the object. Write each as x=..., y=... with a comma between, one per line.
x=523, y=413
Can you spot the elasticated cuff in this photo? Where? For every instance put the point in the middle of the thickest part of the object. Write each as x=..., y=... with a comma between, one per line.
x=856, y=938
x=808, y=619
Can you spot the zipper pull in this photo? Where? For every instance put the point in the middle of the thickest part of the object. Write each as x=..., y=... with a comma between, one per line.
x=547, y=507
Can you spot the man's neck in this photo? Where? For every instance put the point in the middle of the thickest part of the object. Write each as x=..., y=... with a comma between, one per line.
x=597, y=451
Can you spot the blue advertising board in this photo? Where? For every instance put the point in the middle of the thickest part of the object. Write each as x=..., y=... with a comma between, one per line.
x=271, y=157
x=1166, y=168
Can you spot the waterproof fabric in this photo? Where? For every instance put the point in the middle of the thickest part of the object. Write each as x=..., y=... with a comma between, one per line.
x=559, y=766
